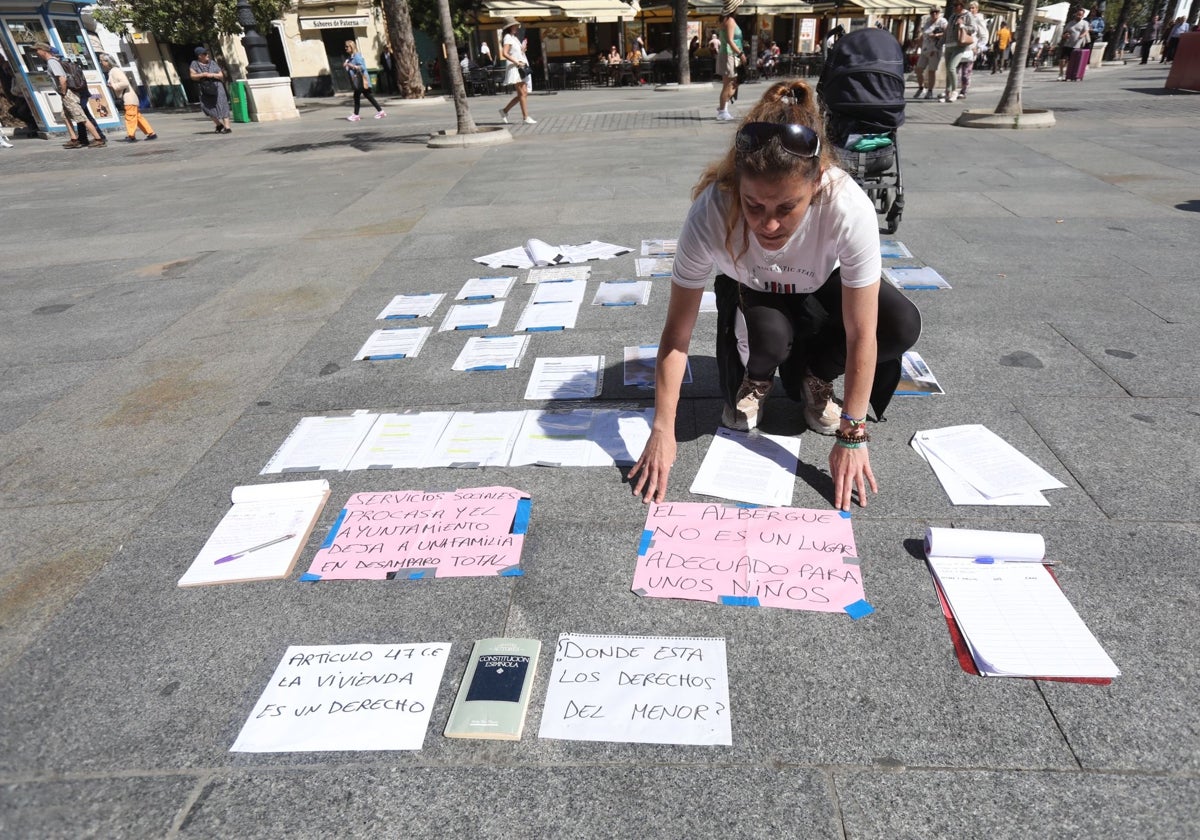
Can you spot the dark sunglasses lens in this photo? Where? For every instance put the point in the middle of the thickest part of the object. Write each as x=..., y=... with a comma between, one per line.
x=796, y=139
x=799, y=140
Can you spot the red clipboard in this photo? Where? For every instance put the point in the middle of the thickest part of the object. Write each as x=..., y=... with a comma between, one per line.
x=963, y=653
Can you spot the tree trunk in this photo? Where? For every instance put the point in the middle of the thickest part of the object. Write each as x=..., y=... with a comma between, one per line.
x=1110, y=52
x=1010, y=100
x=466, y=123
x=404, y=49
x=682, y=59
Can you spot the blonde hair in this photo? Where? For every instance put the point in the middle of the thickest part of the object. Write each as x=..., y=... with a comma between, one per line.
x=789, y=102
x=353, y=45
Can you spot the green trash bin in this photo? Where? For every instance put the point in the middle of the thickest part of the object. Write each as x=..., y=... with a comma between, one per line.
x=239, y=103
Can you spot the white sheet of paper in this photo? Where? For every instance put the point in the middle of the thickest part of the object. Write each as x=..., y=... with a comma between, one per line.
x=641, y=362
x=320, y=443
x=477, y=439
x=755, y=468
x=622, y=433
x=1018, y=623
x=394, y=343
x=411, y=306
x=260, y=513
x=473, y=316
x=593, y=250
x=485, y=288
x=544, y=317
x=492, y=352
x=659, y=247
x=400, y=441
x=986, y=461
x=638, y=689
x=622, y=293
x=654, y=266
x=557, y=439
x=565, y=378
x=708, y=302
x=508, y=258
x=543, y=253
x=914, y=277
x=346, y=697
x=893, y=249
x=559, y=291
x=540, y=274
x=960, y=492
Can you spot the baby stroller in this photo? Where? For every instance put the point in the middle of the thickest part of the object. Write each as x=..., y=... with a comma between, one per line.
x=862, y=88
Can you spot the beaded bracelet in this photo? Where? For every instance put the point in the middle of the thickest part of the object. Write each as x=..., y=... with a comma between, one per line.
x=853, y=436
x=853, y=421
x=846, y=444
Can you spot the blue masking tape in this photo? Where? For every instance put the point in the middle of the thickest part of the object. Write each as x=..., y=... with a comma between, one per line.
x=986, y=560
x=845, y=514
x=909, y=288
x=399, y=317
x=490, y=337
x=471, y=327
x=337, y=523
x=739, y=601
x=627, y=303
x=385, y=356
x=859, y=609
x=647, y=535
x=488, y=367
x=512, y=571
x=416, y=575
x=309, y=576
x=745, y=505
x=543, y=329
x=521, y=519
x=479, y=297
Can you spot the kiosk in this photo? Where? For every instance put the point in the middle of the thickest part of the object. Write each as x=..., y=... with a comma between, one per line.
x=22, y=24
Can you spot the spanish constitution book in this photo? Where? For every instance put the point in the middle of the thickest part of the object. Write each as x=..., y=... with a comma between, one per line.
x=494, y=694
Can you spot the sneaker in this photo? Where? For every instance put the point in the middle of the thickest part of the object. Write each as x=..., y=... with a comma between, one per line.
x=132, y=139
x=724, y=116
x=380, y=114
x=953, y=96
x=929, y=94
x=151, y=136
x=962, y=96
x=99, y=144
x=353, y=118
x=747, y=410
x=530, y=121
x=919, y=92
x=73, y=144
x=822, y=412
x=4, y=144
x=941, y=97
x=504, y=116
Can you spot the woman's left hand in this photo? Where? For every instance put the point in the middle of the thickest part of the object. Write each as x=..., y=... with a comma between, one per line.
x=851, y=471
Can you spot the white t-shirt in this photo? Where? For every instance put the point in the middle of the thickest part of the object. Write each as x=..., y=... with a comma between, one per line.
x=838, y=229
x=515, y=52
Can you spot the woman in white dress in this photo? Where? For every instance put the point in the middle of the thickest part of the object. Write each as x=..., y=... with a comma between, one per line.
x=513, y=54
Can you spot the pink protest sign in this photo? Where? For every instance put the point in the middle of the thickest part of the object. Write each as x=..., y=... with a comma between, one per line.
x=793, y=558
x=411, y=535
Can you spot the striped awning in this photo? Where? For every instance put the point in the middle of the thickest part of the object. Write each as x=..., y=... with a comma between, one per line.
x=873, y=7
x=601, y=11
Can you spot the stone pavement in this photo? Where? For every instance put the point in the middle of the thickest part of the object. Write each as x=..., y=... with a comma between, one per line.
x=170, y=310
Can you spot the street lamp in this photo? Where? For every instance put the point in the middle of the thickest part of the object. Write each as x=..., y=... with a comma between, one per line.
x=261, y=66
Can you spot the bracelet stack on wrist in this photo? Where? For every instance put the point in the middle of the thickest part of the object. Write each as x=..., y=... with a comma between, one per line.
x=856, y=437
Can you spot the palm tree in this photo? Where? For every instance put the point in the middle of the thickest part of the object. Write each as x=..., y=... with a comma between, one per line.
x=466, y=123
x=1010, y=100
x=404, y=48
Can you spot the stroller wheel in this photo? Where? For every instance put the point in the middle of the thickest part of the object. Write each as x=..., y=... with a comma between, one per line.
x=893, y=223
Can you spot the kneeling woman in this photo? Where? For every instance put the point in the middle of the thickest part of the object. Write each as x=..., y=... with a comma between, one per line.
x=780, y=218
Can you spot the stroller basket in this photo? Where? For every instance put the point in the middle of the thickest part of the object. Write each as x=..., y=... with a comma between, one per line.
x=867, y=164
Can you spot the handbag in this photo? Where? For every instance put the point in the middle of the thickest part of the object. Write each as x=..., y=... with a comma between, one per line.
x=965, y=38
x=523, y=70
x=208, y=88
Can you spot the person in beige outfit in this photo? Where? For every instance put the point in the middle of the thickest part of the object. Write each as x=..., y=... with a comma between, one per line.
x=119, y=82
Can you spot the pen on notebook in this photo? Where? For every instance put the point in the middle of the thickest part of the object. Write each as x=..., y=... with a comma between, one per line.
x=246, y=551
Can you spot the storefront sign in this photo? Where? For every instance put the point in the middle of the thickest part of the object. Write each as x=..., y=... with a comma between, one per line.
x=334, y=22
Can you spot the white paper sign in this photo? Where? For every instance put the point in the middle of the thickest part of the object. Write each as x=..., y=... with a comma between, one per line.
x=346, y=697
x=638, y=689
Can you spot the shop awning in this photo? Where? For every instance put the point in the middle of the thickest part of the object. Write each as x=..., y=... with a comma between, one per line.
x=601, y=11
x=873, y=7
x=749, y=7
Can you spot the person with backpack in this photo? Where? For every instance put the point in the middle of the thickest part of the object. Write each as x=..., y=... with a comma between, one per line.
x=73, y=113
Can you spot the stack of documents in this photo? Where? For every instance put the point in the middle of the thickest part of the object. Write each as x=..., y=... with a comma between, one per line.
x=1013, y=617
x=536, y=252
x=977, y=467
x=914, y=277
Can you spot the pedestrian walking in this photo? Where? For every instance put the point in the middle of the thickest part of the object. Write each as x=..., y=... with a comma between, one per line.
x=360, y=81
x=124, y=93
x=1149, y=34
x=1003, y=46
x=933, y=34
x=1178, y=29
x=729, y=55
x=1076, y=36
x=778, y=217
x=959, y=49
x=512, y=50
x=73, y=114
x=210, y=79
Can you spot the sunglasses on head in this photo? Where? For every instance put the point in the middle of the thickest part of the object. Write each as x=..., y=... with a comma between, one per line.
x=797, y=140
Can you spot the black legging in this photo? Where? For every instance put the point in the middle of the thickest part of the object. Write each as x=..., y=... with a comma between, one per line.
x=359, y=93
x=773, y=320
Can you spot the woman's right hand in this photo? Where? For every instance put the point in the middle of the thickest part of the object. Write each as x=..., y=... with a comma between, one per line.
x=653, y=468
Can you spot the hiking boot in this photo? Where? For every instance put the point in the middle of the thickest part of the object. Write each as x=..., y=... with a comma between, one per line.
x=747, y=408
x=821, y=410
x=74, y=144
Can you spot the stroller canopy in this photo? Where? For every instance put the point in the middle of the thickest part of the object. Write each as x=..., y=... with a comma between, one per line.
x=862, y=84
